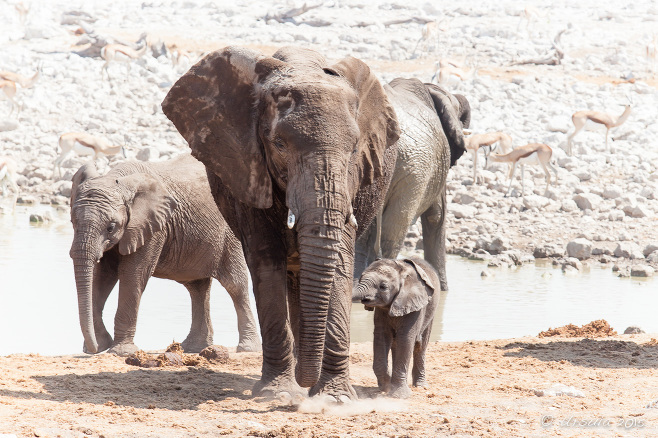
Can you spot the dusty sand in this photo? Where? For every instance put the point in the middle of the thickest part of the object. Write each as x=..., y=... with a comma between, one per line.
x=484, y=388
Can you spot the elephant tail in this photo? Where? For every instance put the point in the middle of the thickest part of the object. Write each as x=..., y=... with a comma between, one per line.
x=446, y=106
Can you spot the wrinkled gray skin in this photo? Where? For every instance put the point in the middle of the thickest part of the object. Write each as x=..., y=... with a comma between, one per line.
x=431, y=120
x=404, y=295
x=153, y=219
x=292, y=132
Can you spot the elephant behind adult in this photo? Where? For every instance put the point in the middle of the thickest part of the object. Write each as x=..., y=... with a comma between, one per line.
x=153, y=219
x=431, y=141
x=290, y=139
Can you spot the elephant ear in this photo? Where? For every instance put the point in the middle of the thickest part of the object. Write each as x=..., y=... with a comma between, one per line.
x=447, y=107
x=213, y=106
x=150, y=206
x=87, y=171
x=376, y=117
x=416, y=288
x=464, y=110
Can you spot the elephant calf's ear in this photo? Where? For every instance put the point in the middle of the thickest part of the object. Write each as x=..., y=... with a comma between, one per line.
x=416, y=288
x=150, y=207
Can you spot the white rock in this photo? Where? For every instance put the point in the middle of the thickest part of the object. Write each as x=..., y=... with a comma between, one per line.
x=653, y=246
x=638, y=211
x=568, y=205
x=535, y=201
x=642, y=271
x=629, y=250
x=148, y=154
x=587, y=201
x=612, y=192
x=462, y=211
x=8, y=125
x=580, y=248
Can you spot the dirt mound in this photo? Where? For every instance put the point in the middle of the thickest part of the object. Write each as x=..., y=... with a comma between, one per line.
x=175, y=356
x=595, y=329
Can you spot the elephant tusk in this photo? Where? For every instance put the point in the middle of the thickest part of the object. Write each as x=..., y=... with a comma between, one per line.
x=98, y=260
x=291, y=219
x=353, y=221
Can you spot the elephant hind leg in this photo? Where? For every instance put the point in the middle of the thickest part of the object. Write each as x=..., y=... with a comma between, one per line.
x=434, y=239
x=418, y=369
x=234, y=277
x=201, y=332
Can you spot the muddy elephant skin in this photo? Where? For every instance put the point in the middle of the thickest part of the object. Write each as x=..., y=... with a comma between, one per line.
x=292, y=141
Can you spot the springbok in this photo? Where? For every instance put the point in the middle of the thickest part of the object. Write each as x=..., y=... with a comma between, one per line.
x=85, y=144
x=19, y=79
x=533, y=153
x=121, y=53
x=481, y=141
x=580, y=118
x=8, y=92
x=8, y=176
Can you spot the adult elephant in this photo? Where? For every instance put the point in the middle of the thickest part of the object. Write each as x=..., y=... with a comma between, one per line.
x=152, y=219
x=431, y=141
x=299, y=155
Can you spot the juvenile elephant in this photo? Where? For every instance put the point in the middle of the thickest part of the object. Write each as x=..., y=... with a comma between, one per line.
x=404, y=295
x=152, y=219
x=299, y=155
x=431, y=122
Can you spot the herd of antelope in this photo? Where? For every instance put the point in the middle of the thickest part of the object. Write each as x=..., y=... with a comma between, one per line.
x=74, y=143
x=84, y=144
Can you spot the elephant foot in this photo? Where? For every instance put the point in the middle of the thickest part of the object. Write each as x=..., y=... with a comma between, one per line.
x=337, y=386
x=253, y=346
x=123, y=349
x=421, y=383
x=104, y=341
x=191, y=345
x=284, y=387
x=401, y=391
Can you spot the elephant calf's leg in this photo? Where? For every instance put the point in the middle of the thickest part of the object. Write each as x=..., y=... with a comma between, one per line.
x=418, y=370
x=201, y=332
x=105, y=278
x=381, y=348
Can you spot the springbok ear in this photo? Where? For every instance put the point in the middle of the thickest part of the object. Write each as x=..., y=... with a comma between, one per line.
x=87, y=171
x=150, y=206
x=416, y=288
x=446, y=107
x=213, y=106
x=376, y=118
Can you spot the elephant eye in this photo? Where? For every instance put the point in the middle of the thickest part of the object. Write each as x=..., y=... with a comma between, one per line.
x=278, y=143
x=383, y=286
x=111, y=227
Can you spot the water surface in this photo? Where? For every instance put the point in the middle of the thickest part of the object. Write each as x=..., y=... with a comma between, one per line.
x=38, y=302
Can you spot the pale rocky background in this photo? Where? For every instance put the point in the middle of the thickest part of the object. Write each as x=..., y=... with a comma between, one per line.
x=603, y=206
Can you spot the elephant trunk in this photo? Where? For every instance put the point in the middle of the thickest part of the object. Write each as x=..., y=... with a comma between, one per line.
x=320, y=231
x=84, y=263
x=358, y=293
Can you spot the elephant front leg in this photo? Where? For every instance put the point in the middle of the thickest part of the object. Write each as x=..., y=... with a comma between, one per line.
x=201, y=332
x=383, y=338
x=132, y=281
x=403, y=347
x=335, y=374
x=105, y=278
x=266, y=257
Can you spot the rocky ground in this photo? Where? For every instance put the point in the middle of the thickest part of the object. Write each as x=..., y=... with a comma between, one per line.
x=609, y=198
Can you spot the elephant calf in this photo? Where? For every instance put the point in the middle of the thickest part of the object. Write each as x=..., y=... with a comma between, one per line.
x=153, y=219
x=404, y=294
